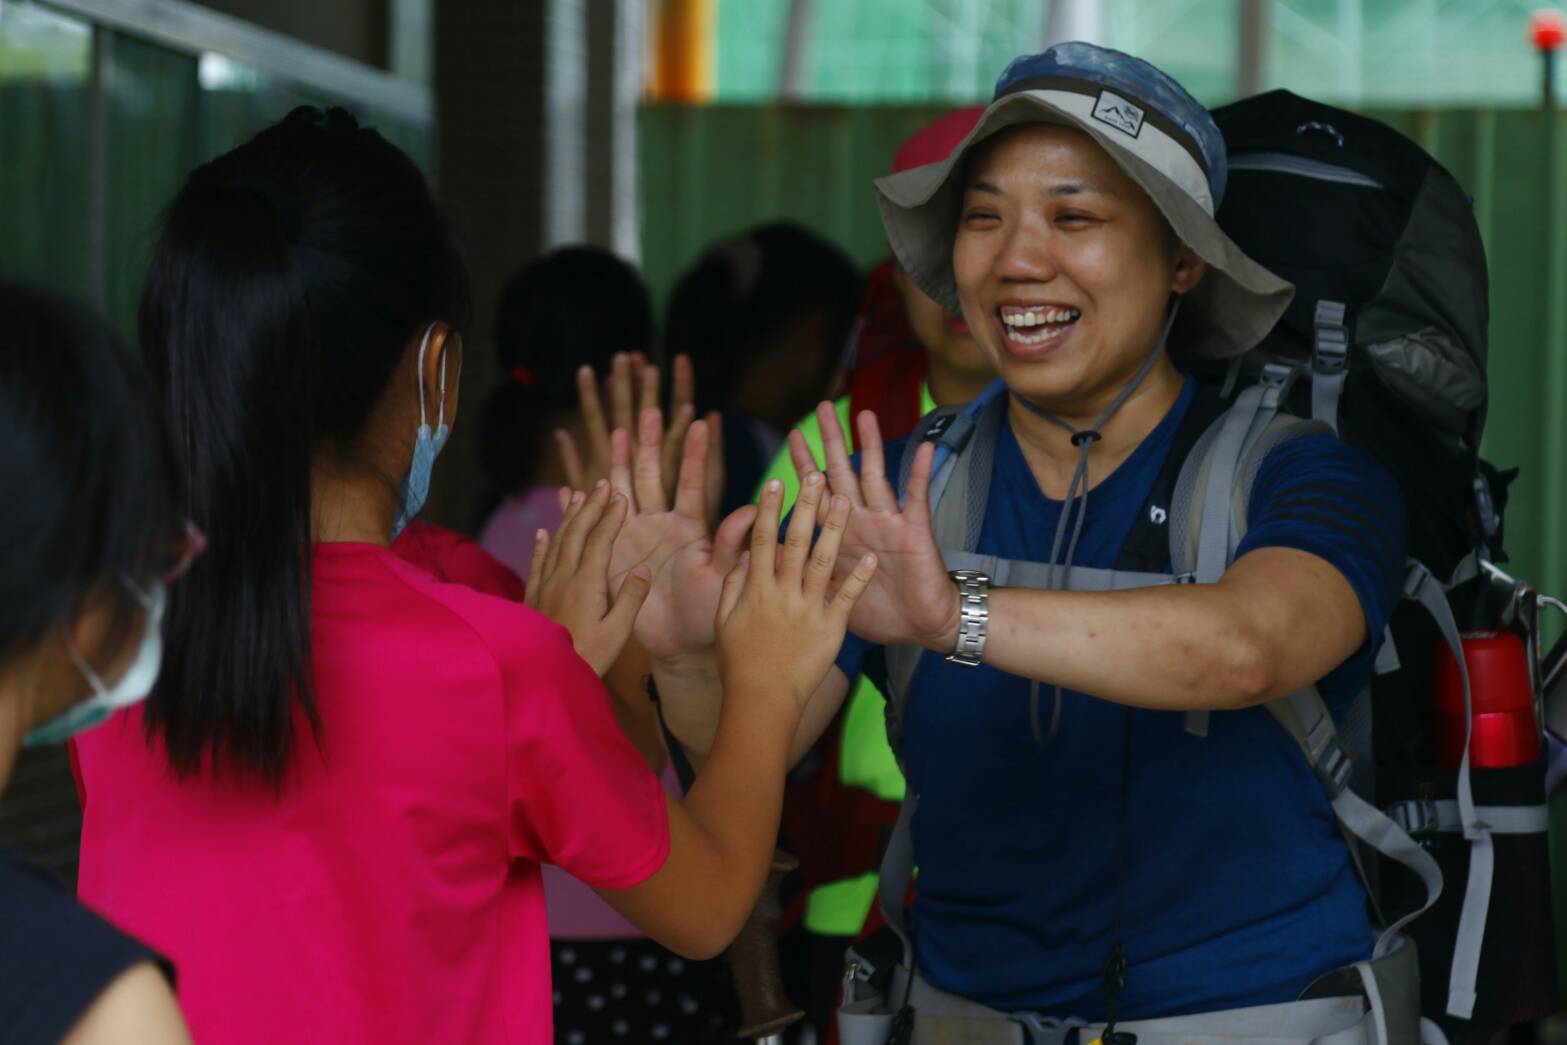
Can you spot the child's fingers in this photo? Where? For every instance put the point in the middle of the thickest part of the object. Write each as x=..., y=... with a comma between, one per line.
x=824, y=559
x=730, y=538
x=563, y=498
x=628, y=602
x=802, y=527
x=600, y=542
x=734, y=584
x=541, y=544
x=574, y=534
x=853, y=587
x=574, y=501
x=764, y=532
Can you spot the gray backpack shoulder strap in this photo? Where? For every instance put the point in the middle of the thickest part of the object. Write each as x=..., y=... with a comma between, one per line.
x=1213, y=491
x=1208, y=512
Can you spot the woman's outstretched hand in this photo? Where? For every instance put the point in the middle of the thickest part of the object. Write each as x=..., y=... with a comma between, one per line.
x=780, y=624
x=568, y=580
x=912, y=600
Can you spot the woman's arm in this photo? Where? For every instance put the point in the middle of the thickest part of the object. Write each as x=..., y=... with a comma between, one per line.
x=1278, y=620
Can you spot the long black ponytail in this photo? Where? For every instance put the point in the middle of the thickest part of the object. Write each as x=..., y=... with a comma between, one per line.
x=289, y=276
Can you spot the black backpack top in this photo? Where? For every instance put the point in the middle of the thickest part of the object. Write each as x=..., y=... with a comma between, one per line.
x=1391, y=304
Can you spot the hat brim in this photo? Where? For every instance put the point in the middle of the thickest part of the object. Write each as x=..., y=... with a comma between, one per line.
x=1235, y=306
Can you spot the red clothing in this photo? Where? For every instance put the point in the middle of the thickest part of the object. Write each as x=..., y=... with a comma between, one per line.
x=451, y=556
x=391, y=892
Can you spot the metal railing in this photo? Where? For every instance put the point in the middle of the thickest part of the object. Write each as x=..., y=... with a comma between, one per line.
x=189, y=27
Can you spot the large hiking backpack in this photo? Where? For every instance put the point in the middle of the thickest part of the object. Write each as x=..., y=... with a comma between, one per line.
x=1388, y=332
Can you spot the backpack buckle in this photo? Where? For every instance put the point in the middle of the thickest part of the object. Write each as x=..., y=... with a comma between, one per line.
x=1277, y=376
x=1418, y=816
x=1333, y=769
x=1330, y=349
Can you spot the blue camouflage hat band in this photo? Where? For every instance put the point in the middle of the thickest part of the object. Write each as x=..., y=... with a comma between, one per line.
x=1125, y=111
x=1091, y=69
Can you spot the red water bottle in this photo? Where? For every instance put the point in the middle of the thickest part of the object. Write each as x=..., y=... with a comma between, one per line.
x=1505, y=731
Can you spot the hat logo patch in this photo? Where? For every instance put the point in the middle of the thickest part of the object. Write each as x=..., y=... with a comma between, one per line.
x=1119, y=113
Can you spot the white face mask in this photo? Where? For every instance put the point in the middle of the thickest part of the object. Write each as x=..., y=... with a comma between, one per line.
x=133, y=686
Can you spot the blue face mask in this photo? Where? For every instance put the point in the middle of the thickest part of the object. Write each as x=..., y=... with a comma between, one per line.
x=133, y=686
x=427, y=447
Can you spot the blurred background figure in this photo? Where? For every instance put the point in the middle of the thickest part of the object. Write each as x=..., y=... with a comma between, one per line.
x=574, y=307
x=766, y=319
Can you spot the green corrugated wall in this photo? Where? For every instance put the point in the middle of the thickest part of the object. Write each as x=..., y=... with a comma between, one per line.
x=709, y=172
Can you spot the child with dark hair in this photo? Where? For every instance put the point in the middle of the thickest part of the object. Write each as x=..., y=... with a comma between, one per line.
x=573, y=310
x=766, y=318
x=334, y=809
x=90, y=540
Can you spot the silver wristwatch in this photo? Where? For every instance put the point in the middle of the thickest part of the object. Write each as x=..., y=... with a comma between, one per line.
x=974, y=622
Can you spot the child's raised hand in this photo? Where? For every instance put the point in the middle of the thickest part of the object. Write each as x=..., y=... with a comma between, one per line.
x=568, y=580
x=779, y=624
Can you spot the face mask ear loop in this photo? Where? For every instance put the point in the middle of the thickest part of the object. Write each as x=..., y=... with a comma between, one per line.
x=424, y=343
x=440, y=420
x=88, y=673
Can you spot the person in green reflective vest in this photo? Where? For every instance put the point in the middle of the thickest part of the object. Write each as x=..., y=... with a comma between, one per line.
x=911, y=357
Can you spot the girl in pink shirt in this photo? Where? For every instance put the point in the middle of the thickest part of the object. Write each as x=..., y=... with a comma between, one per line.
x=332, y=811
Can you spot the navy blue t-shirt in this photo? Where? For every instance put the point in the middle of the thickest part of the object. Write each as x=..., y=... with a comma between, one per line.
x=1237, y=887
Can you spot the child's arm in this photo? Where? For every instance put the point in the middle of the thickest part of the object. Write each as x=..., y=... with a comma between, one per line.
x=779, y=626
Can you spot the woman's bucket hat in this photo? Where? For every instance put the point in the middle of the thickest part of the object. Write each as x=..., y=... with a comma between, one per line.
x=1156, y=132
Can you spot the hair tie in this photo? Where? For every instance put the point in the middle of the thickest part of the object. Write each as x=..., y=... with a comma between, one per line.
x=523, y=376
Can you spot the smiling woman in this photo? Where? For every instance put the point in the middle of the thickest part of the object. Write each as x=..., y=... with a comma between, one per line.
x=1070, y=227
x=1067, y=269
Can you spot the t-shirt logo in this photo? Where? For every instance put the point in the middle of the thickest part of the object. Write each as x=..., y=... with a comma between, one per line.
x=1119, y=113
x=1157, y=515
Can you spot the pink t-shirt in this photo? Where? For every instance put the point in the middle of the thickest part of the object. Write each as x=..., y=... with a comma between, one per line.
x=391, y=892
